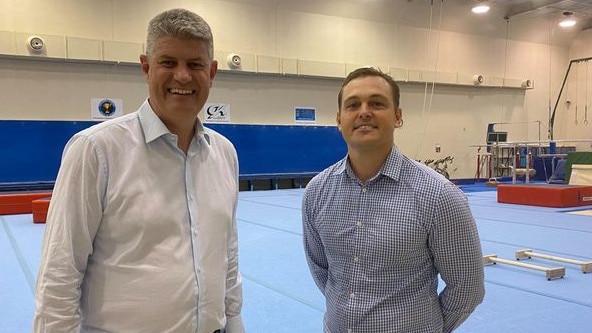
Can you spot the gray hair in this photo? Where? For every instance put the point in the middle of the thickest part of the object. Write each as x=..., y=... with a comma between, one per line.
x=179, y=23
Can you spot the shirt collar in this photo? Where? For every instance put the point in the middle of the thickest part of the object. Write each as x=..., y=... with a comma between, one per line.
x=154, y=128
x=391, y=167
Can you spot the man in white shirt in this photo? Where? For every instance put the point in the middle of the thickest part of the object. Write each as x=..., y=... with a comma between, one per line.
x=141, y=231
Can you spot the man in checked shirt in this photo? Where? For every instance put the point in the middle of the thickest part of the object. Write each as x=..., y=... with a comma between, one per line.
x=379, y=227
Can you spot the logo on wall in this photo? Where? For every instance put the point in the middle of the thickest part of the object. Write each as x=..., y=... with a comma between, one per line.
x=216, y=113
x=106, y=108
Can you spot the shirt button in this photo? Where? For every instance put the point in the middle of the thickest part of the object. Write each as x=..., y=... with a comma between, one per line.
x=352, y=295
x=359, y=224
x=356, y=259
x=364, y=190
x=349, y=330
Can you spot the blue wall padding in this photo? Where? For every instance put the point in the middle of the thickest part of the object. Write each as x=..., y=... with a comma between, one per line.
x=30, y=150
x=274, y=149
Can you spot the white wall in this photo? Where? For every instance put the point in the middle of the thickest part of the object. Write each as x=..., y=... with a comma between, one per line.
x=80, y=32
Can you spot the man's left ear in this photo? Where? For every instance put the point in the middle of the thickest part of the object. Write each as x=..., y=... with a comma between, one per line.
x=213, y=69
x=398, y=117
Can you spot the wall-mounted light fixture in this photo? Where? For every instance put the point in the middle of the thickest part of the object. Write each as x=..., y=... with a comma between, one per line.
x=233, y=61
x=569, y=20
x=478, y=79
x=528, y=84
x=480, y=7
x=35, y=44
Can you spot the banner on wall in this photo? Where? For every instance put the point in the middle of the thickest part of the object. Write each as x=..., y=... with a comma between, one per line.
x=105, y=108
x=305, y=115
x=216, y=113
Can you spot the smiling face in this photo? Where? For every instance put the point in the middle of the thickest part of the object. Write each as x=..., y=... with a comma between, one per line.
x=368, y=116
x=179, y=74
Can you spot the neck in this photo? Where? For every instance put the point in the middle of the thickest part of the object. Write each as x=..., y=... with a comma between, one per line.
x=367, y=163
x=179, y=123
x=185, y=131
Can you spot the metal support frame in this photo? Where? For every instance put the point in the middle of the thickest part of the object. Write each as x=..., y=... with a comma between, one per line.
x=552, y=115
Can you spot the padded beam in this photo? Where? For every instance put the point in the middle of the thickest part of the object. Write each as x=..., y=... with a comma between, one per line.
x=527, y=254
x=551, y=272
x=19, y=202
x=40, y=207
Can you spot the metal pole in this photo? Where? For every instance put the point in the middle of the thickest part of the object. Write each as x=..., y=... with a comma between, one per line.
x=552, y=117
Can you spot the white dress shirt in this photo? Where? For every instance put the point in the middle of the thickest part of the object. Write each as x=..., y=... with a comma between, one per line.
x=141, y=237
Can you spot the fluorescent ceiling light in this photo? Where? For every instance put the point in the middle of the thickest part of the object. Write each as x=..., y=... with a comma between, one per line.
x=480, y=7
x=568, y=20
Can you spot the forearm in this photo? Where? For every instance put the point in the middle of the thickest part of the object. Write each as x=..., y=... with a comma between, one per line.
x=234, y=292
x=58, y=293
x=457, y=253
x=455, y=312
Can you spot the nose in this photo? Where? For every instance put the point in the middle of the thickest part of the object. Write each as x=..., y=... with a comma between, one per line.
x=365, y=111
x=182, y=74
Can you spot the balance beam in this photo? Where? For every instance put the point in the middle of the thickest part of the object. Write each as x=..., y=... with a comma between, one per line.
x=527, y=254
x=551, y=273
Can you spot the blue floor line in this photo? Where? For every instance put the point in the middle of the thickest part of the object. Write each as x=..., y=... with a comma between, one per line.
x=270, y=205
x=533, y=225
x=269, y=227
x=573, y=256
x=530, y=291
x=19, y=256
x=270, y=287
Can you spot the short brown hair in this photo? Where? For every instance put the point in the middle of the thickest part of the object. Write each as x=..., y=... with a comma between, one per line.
x=370, y=71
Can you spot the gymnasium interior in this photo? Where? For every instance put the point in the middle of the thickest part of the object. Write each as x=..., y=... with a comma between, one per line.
x=498, y=101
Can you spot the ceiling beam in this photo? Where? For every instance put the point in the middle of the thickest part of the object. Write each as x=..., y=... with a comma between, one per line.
x=529, y=7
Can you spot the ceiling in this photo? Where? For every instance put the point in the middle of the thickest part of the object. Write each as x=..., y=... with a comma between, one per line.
x=525, y=20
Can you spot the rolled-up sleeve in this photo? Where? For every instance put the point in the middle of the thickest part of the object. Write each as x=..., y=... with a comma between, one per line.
x=234, y=300
x=73, y=218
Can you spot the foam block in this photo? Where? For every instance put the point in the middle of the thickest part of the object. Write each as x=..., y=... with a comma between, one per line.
x=39, y=208
x=545, y=195
x=19, y=202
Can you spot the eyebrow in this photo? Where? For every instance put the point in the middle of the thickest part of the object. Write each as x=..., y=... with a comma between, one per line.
x=373, y=96
x=168, y=57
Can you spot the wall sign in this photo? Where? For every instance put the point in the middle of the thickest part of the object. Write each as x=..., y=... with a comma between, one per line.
x=305, y=115
x=105, y=108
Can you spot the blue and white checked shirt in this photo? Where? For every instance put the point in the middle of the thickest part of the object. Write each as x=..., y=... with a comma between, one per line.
x=375, y=250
